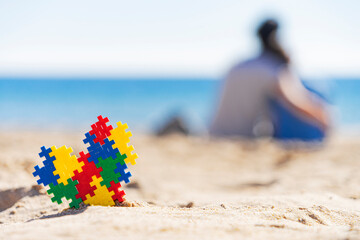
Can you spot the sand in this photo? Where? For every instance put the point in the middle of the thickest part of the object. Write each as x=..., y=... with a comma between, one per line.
x=193, y=188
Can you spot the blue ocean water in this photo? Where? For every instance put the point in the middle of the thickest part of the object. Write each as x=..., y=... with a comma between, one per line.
x=145, y=104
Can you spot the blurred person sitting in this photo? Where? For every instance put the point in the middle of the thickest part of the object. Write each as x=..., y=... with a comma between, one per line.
x=263, y=97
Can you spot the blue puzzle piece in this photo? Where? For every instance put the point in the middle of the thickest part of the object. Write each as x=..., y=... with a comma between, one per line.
x=45, y=153
x=95, y=151
x=46, y=175
x=108, y=149
x=124, y=175
x=89, y=139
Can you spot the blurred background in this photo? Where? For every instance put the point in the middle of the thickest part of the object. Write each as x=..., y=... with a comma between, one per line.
x=63, y=63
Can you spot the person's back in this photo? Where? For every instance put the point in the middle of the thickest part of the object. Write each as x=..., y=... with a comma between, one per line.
x=247, y=89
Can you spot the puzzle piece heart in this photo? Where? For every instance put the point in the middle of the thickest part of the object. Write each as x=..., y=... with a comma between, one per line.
x=94, y=177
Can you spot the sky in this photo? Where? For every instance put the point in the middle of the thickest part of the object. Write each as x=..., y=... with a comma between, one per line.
x=201, y=38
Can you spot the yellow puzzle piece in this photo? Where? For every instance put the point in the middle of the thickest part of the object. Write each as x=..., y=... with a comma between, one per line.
x=65, y=163
x=102, y=195
x=122, y=138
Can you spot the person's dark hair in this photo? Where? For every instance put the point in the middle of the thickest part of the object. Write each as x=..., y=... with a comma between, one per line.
x=267, y=34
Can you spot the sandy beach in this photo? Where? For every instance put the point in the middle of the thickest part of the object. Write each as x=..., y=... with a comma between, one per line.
x=193, y=188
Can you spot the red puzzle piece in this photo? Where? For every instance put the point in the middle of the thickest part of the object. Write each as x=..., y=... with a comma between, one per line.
x=118, y=194
x=85, y=177
x=101, y=130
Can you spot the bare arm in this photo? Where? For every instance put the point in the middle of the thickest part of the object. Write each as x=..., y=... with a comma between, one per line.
x=294, y=93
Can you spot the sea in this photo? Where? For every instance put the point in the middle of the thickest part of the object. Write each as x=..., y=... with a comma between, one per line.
x=73, y=104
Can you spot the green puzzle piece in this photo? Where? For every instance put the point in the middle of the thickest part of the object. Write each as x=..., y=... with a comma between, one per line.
x=68, y=191
x=109, y=165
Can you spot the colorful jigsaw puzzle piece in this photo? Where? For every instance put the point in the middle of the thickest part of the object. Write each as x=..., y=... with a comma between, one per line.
x=85, y=177
x=120, y=168
x=122, y=138
x=67, y=191
x=93, y=178
x=45, y=152
x=65, y=163
x=118, y=194
x=109, y=150
x=102, y=195
x=97, y=150
x=94, y=149
x=109, y=166
x=46, y=173
x=100, y=130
